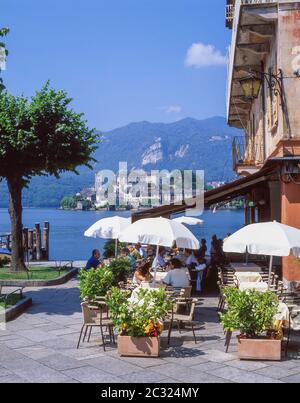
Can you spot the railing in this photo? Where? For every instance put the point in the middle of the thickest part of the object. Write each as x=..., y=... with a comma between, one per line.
x=247, y=152
x=229, y=15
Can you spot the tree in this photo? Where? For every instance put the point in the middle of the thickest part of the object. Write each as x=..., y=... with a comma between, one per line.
x=68, y=202
x=38, y=136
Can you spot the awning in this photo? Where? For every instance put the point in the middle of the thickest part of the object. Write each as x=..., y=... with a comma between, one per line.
x=224, y=193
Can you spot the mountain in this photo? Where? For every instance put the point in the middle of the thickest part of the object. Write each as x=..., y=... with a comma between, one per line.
x=185, y=144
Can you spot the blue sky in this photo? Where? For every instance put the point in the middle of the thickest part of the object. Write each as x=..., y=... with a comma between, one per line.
x=121, y=60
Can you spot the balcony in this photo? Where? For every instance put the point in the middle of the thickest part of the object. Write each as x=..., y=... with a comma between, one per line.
x=230, y=8
x=247, y=155
x=229, y=15
x=253, y=27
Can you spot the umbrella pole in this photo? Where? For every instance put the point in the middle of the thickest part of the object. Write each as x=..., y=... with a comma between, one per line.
x=155, y=268
x=270, y=270
x=116, y=248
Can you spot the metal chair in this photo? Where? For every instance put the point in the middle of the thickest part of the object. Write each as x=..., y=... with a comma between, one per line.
x=185, y=319
x=94, y=316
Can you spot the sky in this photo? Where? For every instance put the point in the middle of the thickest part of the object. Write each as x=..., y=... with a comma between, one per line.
x=121, y=61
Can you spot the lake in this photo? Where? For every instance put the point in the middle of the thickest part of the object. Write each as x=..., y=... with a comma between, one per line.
x=67, y=228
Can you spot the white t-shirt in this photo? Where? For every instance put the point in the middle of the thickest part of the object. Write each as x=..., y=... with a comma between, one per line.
x=177, y=278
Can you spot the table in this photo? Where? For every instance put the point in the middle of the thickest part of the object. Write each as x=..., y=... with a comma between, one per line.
x=249, y=267
x=248, y=277
x=160, y=276
x=262, y=287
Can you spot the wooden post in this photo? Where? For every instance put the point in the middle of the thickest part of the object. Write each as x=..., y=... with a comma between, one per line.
x=25, y=239
x=31, y=244
x=38, y=242
x=46, y=239
x=25, y=243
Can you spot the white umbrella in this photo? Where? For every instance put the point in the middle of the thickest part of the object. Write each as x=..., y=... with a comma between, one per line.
x=108, y=228
x=188, y=220
x=271, y=239
x=160, y=232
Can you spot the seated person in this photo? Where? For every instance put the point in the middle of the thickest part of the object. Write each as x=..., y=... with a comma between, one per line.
x=178, y=276
x=181, y=256
x=141, y=251
x=159, y=261
x=94, y=261
x=133, y=252
x=190, y=258
x=125, y=253
x=142, y=274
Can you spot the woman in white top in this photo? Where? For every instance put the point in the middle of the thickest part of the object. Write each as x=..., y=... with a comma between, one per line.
x=178, y=276
x=142, y=274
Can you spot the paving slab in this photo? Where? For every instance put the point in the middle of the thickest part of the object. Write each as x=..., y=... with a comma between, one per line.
x=91, y=375
x=40, y=346
x=241, y=376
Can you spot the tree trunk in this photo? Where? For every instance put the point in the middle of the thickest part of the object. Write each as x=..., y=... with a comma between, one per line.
x=15, y=186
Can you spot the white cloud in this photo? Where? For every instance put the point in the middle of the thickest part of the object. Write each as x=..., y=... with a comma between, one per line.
x=173, y=109
x=200, y=55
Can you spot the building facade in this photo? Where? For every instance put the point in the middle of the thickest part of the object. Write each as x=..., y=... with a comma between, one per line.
x=264, y=100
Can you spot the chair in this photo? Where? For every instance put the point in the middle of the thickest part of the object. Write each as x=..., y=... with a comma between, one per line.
x=93, y=316
x=292, y=300
x=185, y=319
x=226, y=279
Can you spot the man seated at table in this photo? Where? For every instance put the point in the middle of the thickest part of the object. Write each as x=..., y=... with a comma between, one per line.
x=133, y=252
x=178, y=276
x=141, y=251
x=125, y=253
x=94, y=261
x=190, y=258
x=159, y=261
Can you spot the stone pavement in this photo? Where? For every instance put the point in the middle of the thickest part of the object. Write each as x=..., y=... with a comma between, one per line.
x=40, y=346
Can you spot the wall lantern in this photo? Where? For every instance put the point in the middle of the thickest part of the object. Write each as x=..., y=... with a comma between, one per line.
x=251, y=87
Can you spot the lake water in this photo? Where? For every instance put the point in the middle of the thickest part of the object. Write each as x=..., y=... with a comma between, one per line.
x=67, y=228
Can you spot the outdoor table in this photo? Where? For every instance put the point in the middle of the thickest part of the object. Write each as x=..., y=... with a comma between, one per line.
x=262, y=287
x=160, y=276
x=249, y=267
x=248, y=277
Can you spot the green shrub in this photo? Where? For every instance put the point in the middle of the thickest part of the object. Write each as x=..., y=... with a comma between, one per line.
x=95, y=283
x=249, y=312
x=120, y=269
x=142, y=317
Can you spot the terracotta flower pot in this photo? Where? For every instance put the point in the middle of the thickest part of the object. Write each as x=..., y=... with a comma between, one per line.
x=259, y=349
x=138, y=346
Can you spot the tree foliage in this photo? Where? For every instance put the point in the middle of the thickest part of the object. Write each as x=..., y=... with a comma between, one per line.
x=42, y=135
x=68, y=203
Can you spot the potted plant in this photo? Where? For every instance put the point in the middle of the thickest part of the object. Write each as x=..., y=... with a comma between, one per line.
x=252, y=314
x=95, y=283
x=140, y=321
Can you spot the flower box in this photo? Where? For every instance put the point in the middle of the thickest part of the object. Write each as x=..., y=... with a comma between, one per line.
x=259, y=349
x=138, y=346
